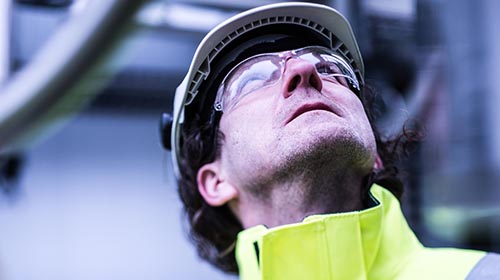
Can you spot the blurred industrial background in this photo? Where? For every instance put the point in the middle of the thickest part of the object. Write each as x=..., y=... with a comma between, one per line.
x=89, y=194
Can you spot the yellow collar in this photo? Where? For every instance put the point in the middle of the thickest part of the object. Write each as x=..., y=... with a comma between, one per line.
x=373, y=243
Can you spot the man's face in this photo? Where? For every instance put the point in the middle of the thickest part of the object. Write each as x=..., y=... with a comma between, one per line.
x=302, y=114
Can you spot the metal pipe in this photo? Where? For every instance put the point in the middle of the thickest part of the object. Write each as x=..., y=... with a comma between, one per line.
x=63, y=76
x=5, y=23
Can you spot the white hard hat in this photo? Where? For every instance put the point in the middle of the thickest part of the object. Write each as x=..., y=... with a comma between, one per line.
x=307, y=21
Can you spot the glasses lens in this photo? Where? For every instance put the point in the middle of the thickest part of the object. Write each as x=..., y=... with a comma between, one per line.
x=330, y=64
x=266, y=69
x=249, y=76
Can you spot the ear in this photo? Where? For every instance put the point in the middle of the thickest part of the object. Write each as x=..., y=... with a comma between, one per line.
x=213, y=187
x=378, y=164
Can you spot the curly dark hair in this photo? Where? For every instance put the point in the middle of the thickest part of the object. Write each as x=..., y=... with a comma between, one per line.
x=213, y=230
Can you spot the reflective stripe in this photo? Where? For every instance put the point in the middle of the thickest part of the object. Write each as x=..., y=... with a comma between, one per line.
x=487, y=268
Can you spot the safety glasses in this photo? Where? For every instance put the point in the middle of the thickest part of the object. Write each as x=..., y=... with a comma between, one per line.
x=264, y=70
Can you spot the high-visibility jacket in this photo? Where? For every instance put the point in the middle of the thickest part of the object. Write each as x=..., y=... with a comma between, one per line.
x=375, y=243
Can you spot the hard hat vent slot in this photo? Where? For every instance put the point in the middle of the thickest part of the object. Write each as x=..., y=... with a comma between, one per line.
x=204, y=71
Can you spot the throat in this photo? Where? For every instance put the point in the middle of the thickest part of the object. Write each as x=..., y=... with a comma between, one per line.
x=322, y=179
x=293, y=198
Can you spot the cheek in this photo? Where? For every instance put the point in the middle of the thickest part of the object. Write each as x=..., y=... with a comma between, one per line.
x=367, y=130
x=246, y=131
x=251, y=119
x=245, y=150
x=358, y=117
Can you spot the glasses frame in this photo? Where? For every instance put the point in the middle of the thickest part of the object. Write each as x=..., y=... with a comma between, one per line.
x=283, y=56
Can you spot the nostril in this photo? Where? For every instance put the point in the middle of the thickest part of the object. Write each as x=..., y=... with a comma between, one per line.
x=315, y=81
x=294, y=83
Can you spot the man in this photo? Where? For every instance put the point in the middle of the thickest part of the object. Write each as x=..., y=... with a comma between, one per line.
x=280, y=170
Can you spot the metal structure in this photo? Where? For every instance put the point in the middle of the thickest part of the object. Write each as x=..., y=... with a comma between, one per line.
x=64, y=74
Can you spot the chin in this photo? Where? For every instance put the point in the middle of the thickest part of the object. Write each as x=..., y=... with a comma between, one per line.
x=324, y=131
x=327, y=143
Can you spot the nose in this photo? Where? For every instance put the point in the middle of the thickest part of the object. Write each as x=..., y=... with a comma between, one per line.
x=299, y=73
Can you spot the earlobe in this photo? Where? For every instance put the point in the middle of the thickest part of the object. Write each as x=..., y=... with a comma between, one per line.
x=213, y=188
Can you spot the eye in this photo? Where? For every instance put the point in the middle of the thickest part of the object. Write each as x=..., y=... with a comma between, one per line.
x=331, y=72
x=327, y=69
x=257, y=78
x=250, y=82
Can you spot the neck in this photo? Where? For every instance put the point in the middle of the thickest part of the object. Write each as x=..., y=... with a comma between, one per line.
x=301, y=192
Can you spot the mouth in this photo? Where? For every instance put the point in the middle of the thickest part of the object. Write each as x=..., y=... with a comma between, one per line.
x=308, y=108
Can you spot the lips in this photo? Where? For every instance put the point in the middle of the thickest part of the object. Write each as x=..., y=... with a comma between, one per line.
x=310, y=107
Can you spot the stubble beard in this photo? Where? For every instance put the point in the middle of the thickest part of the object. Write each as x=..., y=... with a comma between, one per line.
x=324, y=176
